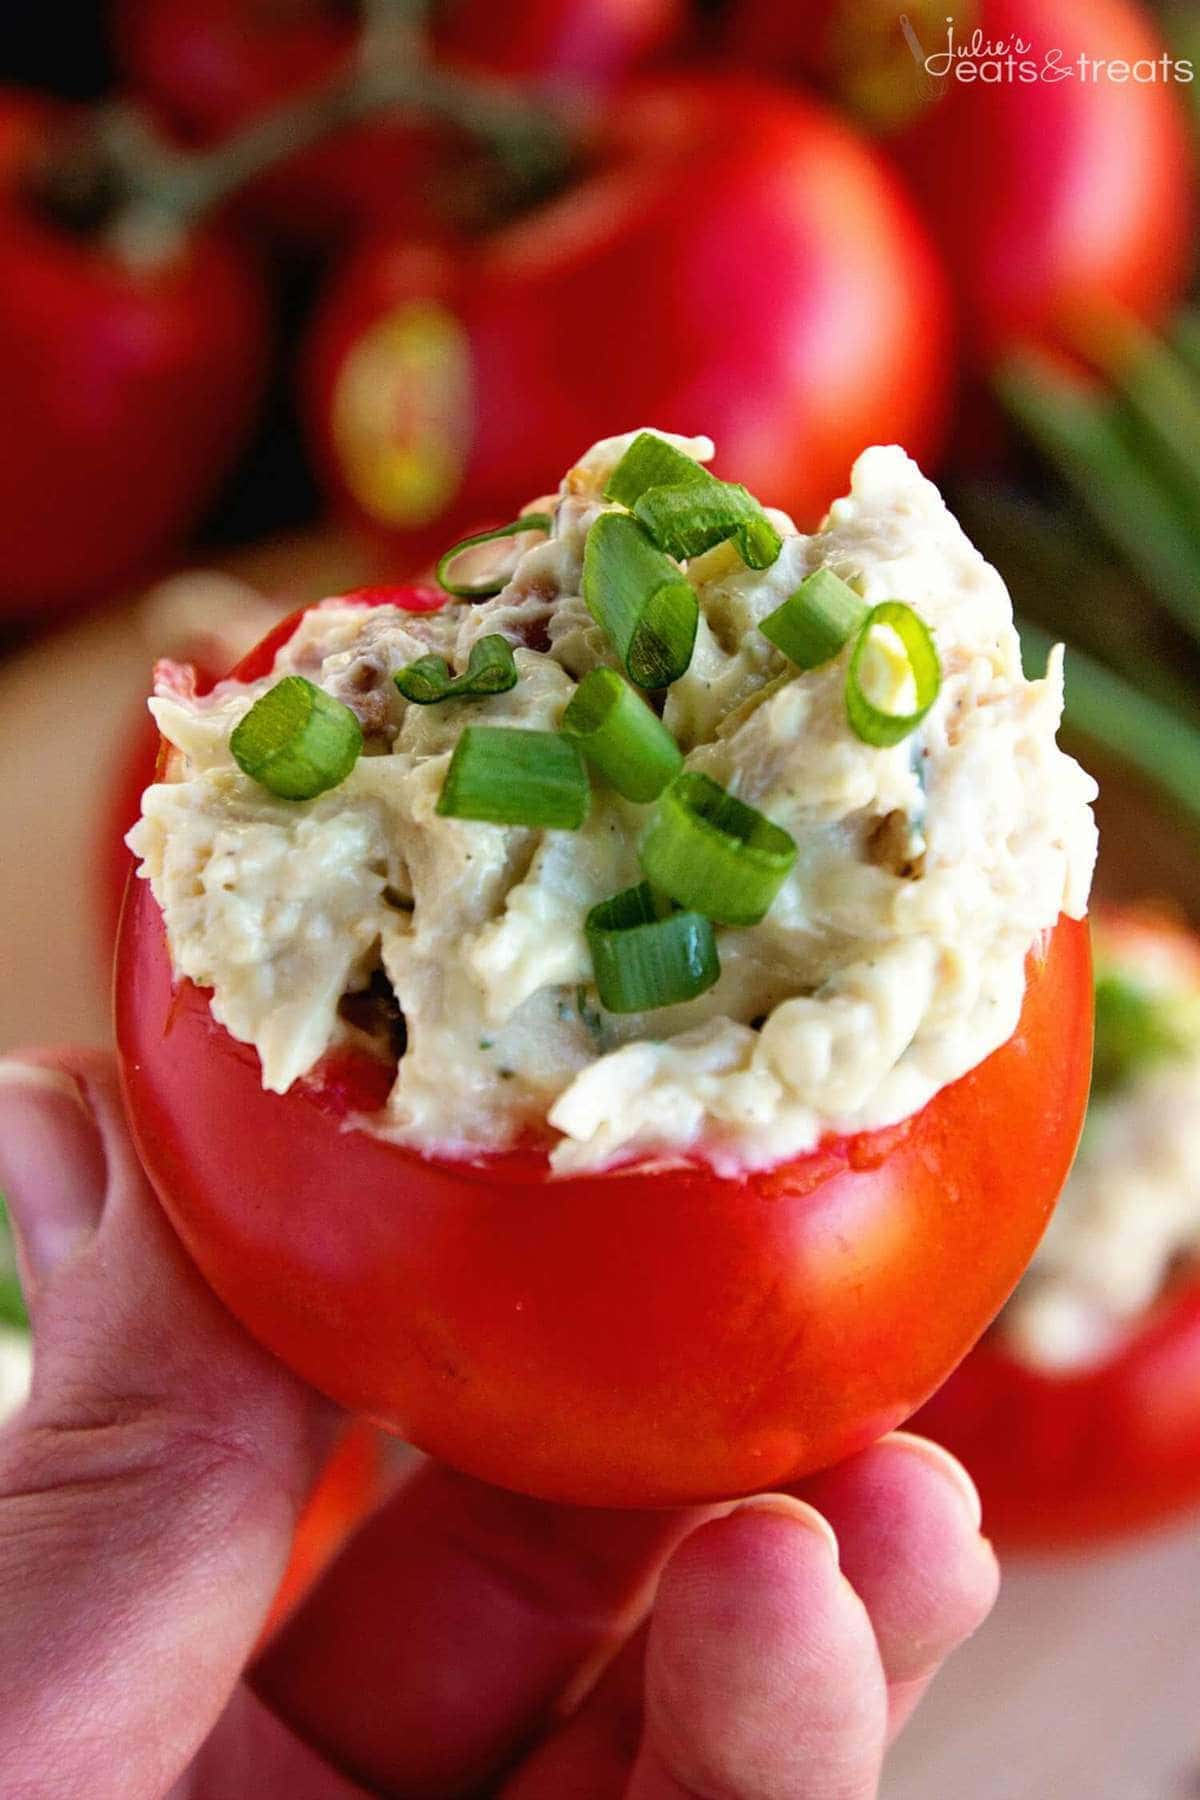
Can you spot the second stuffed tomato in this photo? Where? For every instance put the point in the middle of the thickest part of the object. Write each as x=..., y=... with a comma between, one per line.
x=631, y=1100
x=1079, y=1413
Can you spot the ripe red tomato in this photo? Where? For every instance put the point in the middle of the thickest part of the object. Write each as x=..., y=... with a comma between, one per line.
x=646, y=1336
x=129, y=382
x=738, y=261
x=1049, y=198
x=213, y=66
x=1068, y=1458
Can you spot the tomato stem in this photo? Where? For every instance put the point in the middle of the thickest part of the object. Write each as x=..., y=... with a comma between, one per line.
x=122, y=178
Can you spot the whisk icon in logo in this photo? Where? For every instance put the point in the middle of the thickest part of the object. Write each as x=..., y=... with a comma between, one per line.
x=929, y=87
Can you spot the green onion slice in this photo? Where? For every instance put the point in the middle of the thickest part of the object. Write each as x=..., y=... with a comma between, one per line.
x=513, y=777
x=490, y=670
x=645, y=954
x=297, y=741
x=710, y=851
x=617, y=731
x=483, y=590
x=641, y=599
x=687, y=521
x=685, y=509
x=651, y=462
x=875, y=724
x=815, y=622
x=12, y=1301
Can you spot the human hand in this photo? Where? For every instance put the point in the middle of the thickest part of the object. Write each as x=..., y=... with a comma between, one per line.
x=148, y=1495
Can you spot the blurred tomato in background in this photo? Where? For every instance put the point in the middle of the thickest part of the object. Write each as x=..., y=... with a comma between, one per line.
x=732, y=260
x=369, y=272
x=133, y=348
x=1047, y=197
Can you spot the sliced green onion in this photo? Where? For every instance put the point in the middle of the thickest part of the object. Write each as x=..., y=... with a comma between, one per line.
x=617, y=731
x=490, y=670
x=12, y=1300
x=651, y=462
x=640, y=598
x=875, y=724
x=815, y=622
x=687, y=521
x=645, y=954
x=711, y=852
x=685, y=509
x=513, y=777
x=483, y=590
x=297, y=741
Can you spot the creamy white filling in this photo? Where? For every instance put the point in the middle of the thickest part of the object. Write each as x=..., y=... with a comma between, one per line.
x=891, y=962
x=1130, y=1211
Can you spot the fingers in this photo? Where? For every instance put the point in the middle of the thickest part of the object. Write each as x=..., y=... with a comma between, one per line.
x=762, y=1674
x=447, y=1633
x=763, y=1677
x=252, y=1753
x=907, y=1518
x=149, y=1490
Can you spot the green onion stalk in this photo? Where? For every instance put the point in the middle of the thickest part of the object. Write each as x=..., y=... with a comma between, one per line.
x=1123, y=438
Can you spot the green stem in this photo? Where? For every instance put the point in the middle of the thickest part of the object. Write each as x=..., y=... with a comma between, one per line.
x=1185, y=336
x=1158, y=389
x=1085, y=439
x=391, y=75
x=1141, y=733
x=1060, y=583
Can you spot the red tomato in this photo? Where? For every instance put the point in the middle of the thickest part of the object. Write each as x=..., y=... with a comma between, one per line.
x=213, y=66
x=737, y=262
x=1049, y=198
x=645, y=1336
x=129, y=383
x=556, y=43
x=1064, y=1459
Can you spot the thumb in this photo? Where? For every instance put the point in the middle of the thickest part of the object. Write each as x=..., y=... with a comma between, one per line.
x=149, y=1489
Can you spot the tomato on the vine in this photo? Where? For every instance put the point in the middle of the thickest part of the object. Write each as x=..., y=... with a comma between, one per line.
x=130, y=371
x=1065, y=1457
x=647, y=1335
x=212, y=67
x=737, y=260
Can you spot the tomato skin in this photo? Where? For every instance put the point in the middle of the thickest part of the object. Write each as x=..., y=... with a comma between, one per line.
x=1067, y=1459
x=131, y=389
x=1048, y=199
x=737, y=262
x=647, y=1336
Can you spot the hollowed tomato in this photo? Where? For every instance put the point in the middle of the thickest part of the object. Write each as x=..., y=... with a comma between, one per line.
x=645, y=1336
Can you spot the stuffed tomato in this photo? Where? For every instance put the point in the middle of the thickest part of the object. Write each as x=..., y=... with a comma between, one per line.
x=1079, y=1414
x=625, y=1028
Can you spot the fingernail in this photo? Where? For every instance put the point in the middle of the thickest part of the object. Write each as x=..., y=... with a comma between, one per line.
x=785, y=1506
x=946, y=1465
x=51, y=1166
